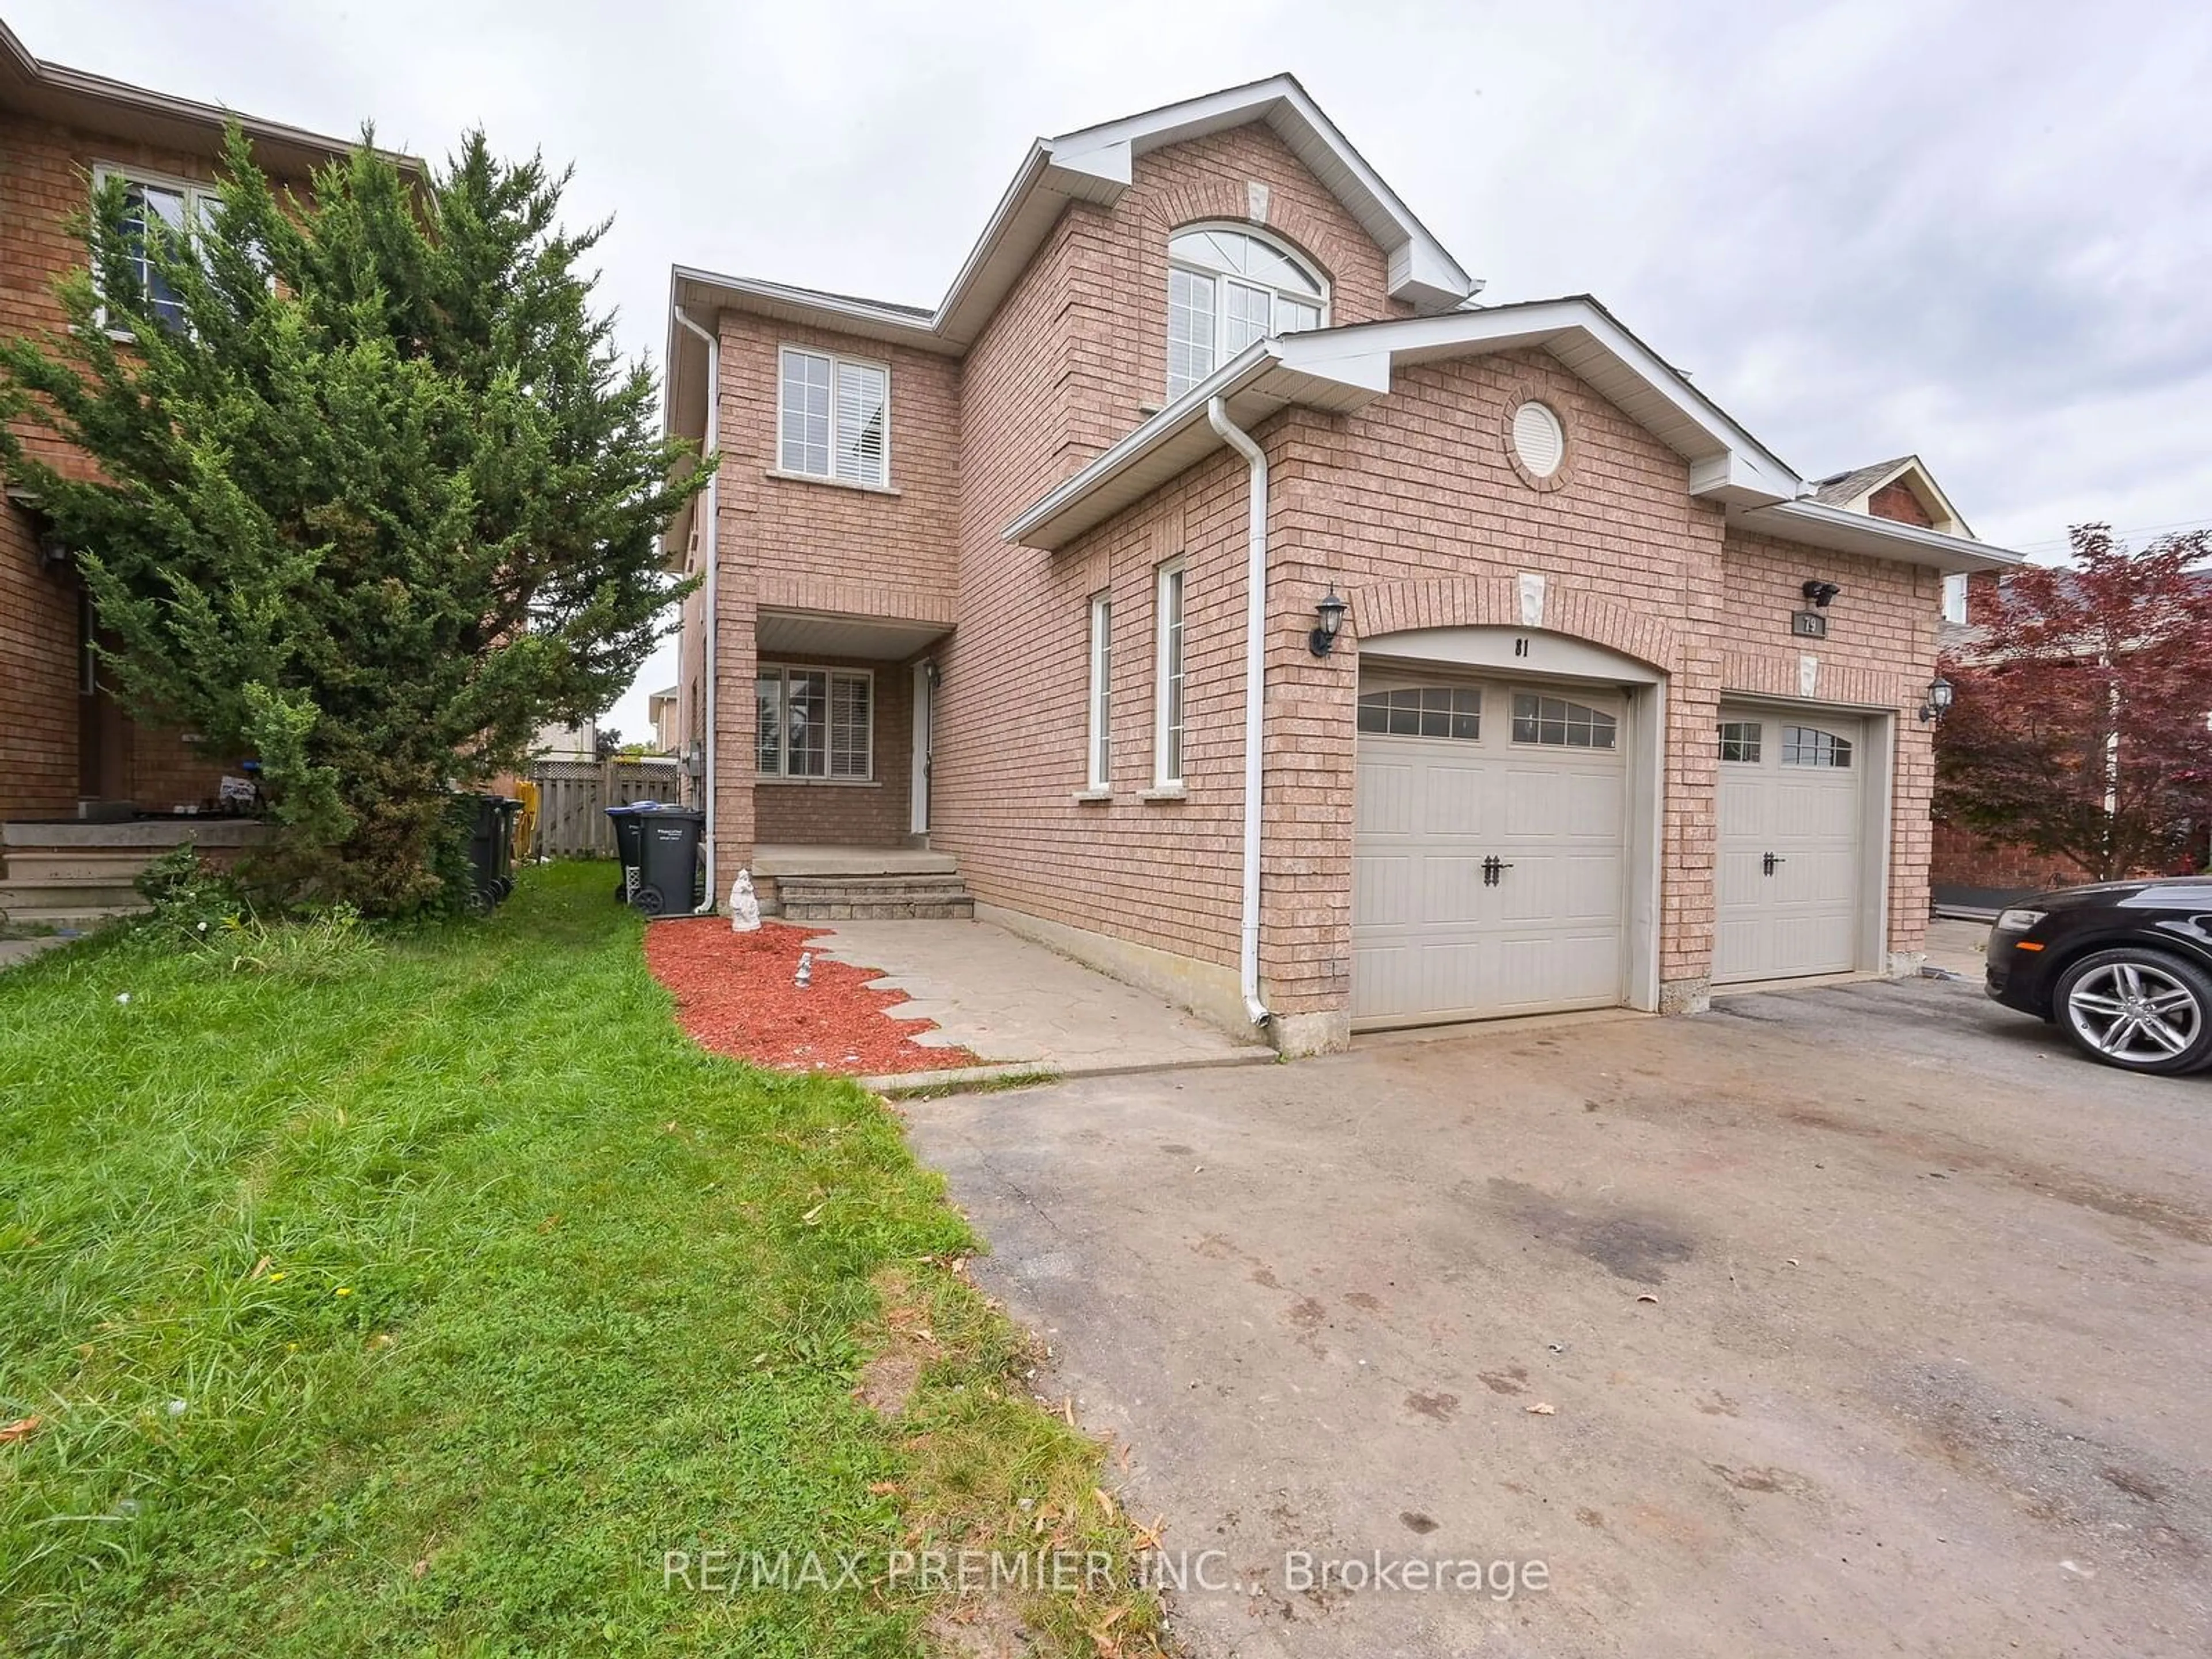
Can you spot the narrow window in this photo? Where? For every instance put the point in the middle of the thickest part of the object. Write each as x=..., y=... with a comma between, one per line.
x=833, y=418
x=1954, y=599
x=1099, y=768
x=1167, y=733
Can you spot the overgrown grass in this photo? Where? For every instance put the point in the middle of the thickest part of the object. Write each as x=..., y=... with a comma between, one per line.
x=421, y=1300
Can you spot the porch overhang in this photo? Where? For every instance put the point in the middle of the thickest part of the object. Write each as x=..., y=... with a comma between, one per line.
x=783, y=633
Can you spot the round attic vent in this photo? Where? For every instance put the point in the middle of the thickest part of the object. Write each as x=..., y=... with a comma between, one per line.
x=1539, y=439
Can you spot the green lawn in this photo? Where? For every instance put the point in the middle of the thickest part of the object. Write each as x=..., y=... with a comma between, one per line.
x=422, y=1303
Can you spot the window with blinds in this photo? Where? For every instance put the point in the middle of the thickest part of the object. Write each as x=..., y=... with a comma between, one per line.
x=833, y=418
x=815, y=723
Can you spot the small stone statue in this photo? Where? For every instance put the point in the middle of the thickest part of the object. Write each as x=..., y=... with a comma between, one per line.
x=806, y=970
x=745, y=909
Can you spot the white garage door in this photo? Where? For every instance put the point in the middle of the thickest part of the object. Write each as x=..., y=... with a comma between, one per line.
x=1790, y=843
x=1489, y=863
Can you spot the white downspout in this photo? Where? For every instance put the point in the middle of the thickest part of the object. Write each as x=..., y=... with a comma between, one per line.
x=1256, y=685
x=711, y=626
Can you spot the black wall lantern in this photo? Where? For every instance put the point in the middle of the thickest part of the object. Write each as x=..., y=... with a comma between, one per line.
x=1937, y=701
x=1822, y=595
x=1331, y=612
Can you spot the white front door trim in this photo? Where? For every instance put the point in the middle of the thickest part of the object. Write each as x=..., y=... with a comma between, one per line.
x=924, y=731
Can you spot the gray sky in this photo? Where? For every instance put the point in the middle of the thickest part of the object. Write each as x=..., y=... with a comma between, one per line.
x=1977, y=229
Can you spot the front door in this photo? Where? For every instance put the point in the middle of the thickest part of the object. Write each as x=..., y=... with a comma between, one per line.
x=924, y=724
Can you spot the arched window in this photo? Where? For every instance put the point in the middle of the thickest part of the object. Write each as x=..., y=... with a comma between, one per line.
x=1227, y=287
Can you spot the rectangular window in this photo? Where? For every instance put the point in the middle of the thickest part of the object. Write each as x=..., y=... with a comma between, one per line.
x=833, y=418
x=1250, y=312
x=1190, y=330
x=1740, y=741
x=168, y=205
x=1167, y=699
x=1098, y=770
x=1809, y=745
x=1560, y=723
x=1425, y=711
x=815, y=723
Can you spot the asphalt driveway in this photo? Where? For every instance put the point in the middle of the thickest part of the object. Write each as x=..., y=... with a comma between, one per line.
x=1870, y=1319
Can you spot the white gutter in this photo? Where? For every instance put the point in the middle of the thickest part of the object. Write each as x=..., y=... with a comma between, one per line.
x=711, y=616
x=1256, y=685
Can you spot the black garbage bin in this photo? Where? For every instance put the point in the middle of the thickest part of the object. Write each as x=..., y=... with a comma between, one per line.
x=668, y=860
x=491, y=845
x=626, y=820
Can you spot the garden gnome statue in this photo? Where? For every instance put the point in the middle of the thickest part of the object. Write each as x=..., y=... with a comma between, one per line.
x=745, y=909
x=806, y=970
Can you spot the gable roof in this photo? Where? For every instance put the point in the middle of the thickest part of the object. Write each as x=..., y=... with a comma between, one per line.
x=1339, y=369
x=1096, y=165
x=1852, y=491
x=93, y=103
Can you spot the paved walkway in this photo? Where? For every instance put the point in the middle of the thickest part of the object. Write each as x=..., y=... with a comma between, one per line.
x=1012, y=1000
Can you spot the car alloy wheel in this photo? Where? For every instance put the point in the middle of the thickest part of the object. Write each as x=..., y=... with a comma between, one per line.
x=2140, y=1011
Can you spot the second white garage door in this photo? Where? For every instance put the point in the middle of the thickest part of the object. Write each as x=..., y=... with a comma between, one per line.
x=1791, y=846
x=1489, y=849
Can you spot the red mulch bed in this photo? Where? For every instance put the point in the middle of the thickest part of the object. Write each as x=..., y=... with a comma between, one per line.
x=734, y=994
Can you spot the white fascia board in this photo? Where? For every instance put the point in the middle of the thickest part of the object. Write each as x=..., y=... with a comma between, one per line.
x=711, y=290
x=1816, y=524
x=1422, y=270
x=1727, y=462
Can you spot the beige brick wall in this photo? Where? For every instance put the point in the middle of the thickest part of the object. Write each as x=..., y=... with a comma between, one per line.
x=1411, y=508
x=793, y=545
x=1067, y=367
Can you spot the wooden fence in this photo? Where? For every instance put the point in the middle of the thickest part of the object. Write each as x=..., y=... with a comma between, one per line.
x=573, y=797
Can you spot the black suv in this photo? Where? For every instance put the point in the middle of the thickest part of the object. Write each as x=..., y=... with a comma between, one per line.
x=2123, y=968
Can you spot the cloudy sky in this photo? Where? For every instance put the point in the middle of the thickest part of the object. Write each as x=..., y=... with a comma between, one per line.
x=1977, y=229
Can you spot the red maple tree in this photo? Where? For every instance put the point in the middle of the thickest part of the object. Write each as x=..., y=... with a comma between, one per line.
x=2080, y=721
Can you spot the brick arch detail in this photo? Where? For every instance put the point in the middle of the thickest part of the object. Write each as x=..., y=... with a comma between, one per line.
x=1225, y=201
x=1494, y=602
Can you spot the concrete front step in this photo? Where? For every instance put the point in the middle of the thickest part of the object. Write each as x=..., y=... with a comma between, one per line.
x=857, y=896
x=955, y=907
x=869, y=887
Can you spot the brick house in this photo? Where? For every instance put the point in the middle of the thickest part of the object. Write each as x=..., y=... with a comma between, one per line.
x=64, y=743
x=1241, y=605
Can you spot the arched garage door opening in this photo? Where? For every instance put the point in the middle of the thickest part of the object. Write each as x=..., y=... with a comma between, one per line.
x=1505, y=827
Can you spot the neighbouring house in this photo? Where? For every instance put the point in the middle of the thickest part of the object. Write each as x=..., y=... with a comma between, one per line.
x=1972, y=872
x=557, y=742
x=1212, y=584
x=87, y=794
x=63, y=741
x=661, y=712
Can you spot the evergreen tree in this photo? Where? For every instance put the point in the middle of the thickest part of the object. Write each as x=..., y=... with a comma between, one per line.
x=376, y=497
